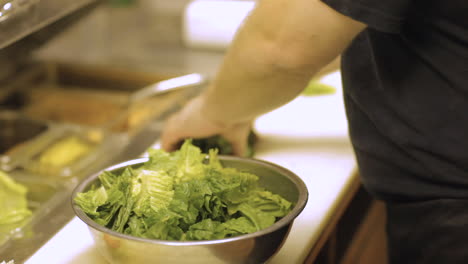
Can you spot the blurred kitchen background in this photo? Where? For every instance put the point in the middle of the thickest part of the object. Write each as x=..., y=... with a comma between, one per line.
x=142, y=34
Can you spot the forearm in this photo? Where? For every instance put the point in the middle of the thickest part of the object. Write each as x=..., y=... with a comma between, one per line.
x=274, y=56
x=242, y=91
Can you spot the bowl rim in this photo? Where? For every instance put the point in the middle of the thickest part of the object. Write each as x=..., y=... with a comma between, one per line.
x=283, y=222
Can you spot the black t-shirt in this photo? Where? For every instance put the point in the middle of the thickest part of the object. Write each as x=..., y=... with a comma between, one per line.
x=405, y=82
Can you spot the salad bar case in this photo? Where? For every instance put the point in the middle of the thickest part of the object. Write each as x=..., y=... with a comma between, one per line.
x=65, y=122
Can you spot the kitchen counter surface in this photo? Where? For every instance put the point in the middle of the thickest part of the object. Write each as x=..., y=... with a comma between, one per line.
x=307, y=136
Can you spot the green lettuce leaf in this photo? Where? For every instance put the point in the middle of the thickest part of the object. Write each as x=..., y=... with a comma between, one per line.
x=14, y=212
x=12, y=201
x=151, y=191
x=91, y=200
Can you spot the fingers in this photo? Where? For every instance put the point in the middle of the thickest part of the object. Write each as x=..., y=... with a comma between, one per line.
x=238, y=137
x=169, y=137
x=189, y=122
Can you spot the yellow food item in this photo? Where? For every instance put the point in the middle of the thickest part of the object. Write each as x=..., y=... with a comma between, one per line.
x=65, y=151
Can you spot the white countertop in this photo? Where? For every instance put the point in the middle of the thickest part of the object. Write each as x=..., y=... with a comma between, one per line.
x=307, y=136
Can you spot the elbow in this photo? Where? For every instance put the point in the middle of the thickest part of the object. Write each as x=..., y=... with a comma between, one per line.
x=263, y=54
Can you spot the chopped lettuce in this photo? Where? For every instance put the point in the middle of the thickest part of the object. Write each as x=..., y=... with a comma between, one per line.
x=223, y=146
x=179, y=196
x=14, y=205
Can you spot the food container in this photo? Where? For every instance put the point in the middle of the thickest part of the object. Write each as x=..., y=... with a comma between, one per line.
x=89, y=113
x=92, y=96
x=68, y=150
x=40, y=193
x=256, y=247
x=16, y=132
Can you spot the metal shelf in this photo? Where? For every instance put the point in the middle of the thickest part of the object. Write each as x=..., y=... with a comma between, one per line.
x=20, y=18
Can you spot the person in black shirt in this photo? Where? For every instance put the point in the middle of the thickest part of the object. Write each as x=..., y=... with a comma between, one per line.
x=405, y=79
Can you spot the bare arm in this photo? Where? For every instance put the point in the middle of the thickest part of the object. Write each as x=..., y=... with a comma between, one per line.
x=280, y=47
x=329, y=68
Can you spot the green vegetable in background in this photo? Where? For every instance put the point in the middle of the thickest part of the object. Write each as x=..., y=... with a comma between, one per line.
x=180, y=196
x=223, y=146
x=14, y=206
x=315, y=88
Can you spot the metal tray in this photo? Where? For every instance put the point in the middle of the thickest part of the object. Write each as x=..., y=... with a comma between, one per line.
x=70, y=151
x=40, y=196
x=17, y=131
x=91, y=95
x=25, y=142
x=89, y=104
x=21, y=18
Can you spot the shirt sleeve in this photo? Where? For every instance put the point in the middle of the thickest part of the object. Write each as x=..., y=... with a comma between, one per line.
x=382, y=15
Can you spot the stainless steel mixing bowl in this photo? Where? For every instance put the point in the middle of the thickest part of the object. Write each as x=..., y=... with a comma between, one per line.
x=255, y=248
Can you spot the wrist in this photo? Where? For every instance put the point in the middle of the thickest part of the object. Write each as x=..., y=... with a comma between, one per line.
x=215, y=115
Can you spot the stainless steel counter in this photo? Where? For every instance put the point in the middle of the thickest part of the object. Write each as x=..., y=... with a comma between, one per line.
x=137, y=37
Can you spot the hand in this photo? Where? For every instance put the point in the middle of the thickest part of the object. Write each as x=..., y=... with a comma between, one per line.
x=191, y=122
